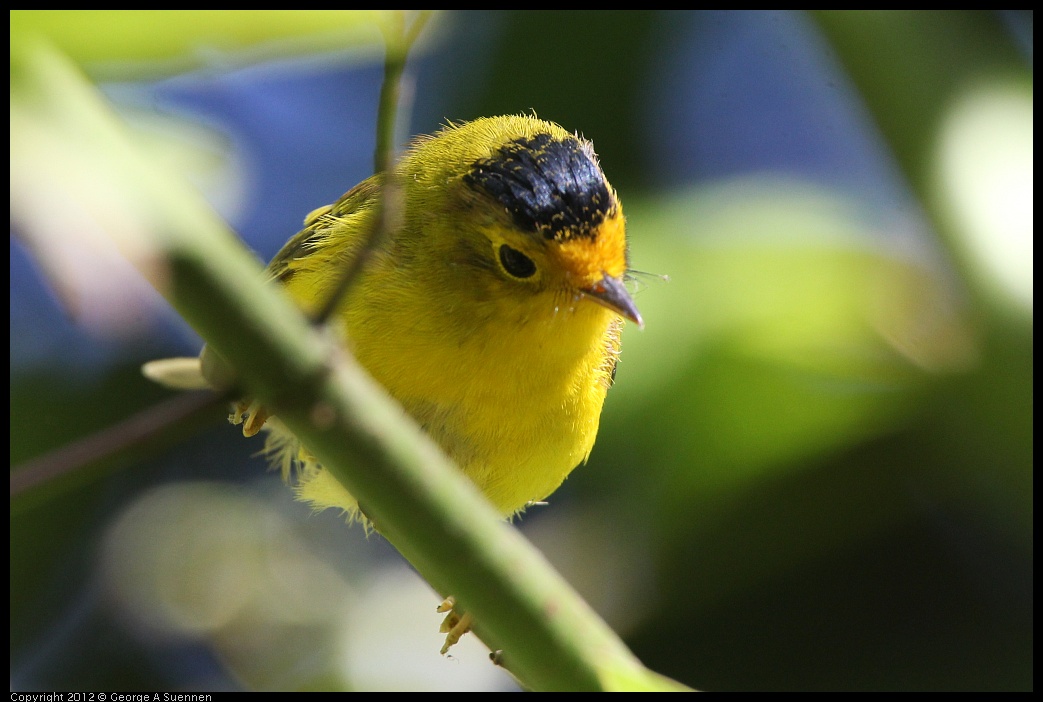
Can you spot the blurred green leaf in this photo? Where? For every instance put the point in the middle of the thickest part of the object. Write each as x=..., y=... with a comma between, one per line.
x=786, y=329
x=146, y=42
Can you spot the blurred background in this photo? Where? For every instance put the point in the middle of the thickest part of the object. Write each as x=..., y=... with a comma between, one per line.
x=814, y=470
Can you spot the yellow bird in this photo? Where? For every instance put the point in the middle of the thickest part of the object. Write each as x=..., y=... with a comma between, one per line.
x=493, y=314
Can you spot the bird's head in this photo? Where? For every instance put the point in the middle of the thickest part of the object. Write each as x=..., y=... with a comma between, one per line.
x=549, y=221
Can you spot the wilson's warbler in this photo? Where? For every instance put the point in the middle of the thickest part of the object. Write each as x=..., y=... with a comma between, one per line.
x=493, y=314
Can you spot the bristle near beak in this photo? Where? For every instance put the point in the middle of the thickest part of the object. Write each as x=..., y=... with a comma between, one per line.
x=612, y=293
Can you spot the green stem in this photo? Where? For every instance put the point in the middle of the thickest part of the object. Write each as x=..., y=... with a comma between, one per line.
x=398, y=41
x=424, y=506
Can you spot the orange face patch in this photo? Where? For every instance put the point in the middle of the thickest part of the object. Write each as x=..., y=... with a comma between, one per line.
x=587, y=259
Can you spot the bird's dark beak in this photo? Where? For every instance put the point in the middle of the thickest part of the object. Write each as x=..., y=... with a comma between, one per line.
x=611, y=293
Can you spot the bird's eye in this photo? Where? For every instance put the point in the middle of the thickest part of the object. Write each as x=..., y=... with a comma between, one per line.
x=516, y=263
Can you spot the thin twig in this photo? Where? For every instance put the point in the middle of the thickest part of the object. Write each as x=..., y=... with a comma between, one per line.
x=393, y=100
x=138, y=430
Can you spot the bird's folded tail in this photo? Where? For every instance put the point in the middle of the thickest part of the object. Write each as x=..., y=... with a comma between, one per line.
x=181, y=373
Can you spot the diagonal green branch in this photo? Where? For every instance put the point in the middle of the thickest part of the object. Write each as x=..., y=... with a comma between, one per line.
x=416, y=497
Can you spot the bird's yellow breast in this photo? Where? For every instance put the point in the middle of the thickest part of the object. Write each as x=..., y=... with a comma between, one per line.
x=513, y=394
